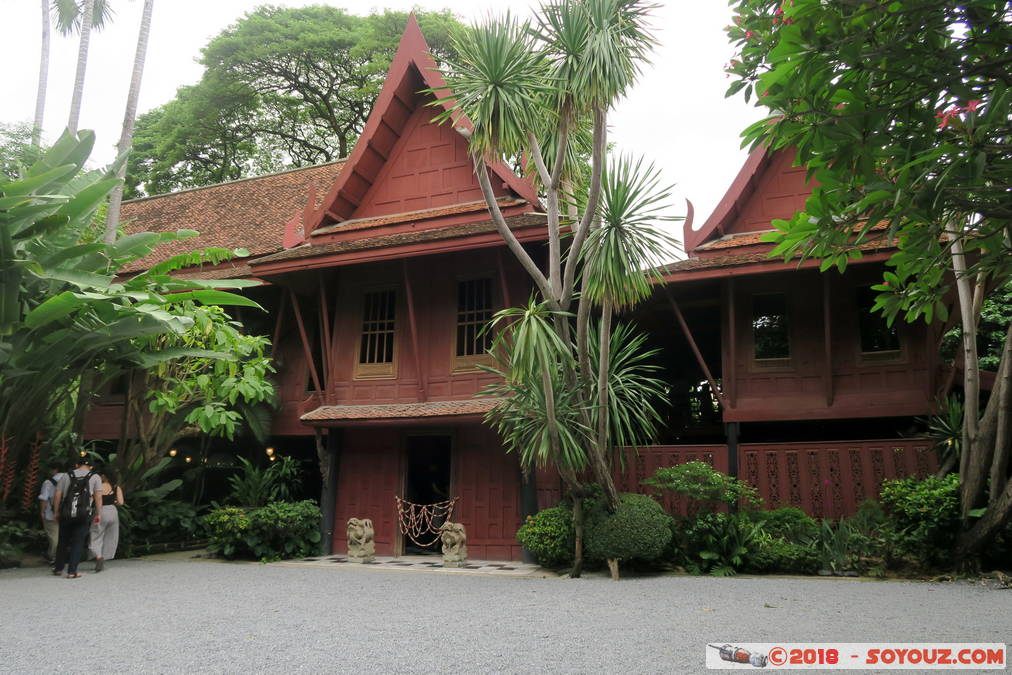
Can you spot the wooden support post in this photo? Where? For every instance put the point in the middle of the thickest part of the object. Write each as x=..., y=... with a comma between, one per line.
x=728, y=372
x=504, y=290
x=333, y=333
x=827, y=342
x=695, y=349
x=305, y=343
x=324, y=332
x=277, y=324
x=423, y=393
x=327, y=453
x=731, y=431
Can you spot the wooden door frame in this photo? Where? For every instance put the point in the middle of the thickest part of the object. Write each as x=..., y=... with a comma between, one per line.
x=402, y=460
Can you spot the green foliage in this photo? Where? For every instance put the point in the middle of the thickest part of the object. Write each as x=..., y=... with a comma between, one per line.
x=788, y=522
x=64, y=312
x=275, y=531
x=924, y=515
x=900, y=112
x=947, y=428
x=774, y=555
x=718, y=543
x=548, y=535
x=227, y=529
x=16, y=537
x=703, y=486
x=17, y=153
x=639, y=529
x=282, y=87
x=284, y=530
x=254, y=487
x=148, y=521
x=995, y=316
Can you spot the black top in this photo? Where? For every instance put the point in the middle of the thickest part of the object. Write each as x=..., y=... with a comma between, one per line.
x=109, y=499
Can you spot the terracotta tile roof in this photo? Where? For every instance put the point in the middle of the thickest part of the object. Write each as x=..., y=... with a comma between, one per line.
x=418, y=236
x=733, y=241
x=250, y=213
x=761, y=256
x=474, y=406
x=408, y=216
x=224, y=271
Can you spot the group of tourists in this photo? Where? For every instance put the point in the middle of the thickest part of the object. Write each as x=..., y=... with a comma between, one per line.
x=76, y=506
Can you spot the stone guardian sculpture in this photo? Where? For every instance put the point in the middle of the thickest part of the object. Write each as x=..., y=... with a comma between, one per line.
x=454, y=540
x=361, y=547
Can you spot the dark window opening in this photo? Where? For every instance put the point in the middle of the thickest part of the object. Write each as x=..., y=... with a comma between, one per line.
x=876, y=334
x=771, y=327
x=378, y=327
x=474, y=311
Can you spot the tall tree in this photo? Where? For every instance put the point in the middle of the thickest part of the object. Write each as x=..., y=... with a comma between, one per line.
x=528, y=90
x=901, y=112
x=283, y=87
x=40, y=96
x=80, y=16
x=126, y=136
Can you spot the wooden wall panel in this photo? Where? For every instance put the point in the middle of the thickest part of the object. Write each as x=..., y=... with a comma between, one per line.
x=369, y=476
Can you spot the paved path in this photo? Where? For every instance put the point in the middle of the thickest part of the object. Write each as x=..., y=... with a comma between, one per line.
x=169, y=617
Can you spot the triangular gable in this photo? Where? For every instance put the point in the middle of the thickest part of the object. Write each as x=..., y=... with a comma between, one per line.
x=767, y=187
x=402, y=161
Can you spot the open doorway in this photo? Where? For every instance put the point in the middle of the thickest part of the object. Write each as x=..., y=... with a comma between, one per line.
x=426, y=479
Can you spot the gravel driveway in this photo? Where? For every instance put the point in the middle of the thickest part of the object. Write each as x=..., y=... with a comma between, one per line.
x=155, y=616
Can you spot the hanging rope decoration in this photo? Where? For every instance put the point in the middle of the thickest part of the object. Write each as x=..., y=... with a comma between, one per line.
x=418, y=520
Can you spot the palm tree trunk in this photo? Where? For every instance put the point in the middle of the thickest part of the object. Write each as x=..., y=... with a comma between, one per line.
x=40, y=96
x=126, y=137
x=82, y=64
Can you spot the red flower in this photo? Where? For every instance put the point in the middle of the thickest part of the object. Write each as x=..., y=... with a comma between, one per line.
x=748, y=35
x=972, y=105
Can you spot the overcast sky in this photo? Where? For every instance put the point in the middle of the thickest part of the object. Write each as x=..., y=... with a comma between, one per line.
x=677, y=115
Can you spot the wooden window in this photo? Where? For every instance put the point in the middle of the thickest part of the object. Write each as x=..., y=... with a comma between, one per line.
x=474, y=311
x=376, y=344
x=770, y=327
x=877, y=336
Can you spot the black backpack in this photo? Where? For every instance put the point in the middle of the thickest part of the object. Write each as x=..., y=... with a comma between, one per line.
x=76, y=504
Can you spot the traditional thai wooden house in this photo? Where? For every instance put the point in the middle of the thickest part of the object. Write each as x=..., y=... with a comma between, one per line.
x=377, y=291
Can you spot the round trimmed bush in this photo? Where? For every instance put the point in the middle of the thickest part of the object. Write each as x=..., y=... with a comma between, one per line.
x=549, y=536
x=638, y=530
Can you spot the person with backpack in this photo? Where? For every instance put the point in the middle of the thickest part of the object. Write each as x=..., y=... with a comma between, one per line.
x=46, y=495
x=78, y=504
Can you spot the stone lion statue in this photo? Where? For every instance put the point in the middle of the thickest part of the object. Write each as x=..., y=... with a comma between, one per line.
x=454, y=539
x=361, y=547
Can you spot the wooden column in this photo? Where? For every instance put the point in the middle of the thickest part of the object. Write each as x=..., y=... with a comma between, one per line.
x=728, y=372
x=423, y=393
x=324, y=333
x=504, y=290
x=731, y=432
x=827, y=342
x=305, y=343
x=327, y=449
x=277, y=324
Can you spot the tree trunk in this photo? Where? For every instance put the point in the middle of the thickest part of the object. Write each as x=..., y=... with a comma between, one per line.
x=82, y=64
x=129, y=117
x=40, y=96
x=600, y=452
x=613, y=568
x=1002, y=395
x=971, y=469
x=578, y=535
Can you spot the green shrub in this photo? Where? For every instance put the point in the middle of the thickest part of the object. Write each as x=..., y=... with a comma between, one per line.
x=227, y=529
x=549, y=536
x=703, y=486
x=924, y=516
x=254, y=486
x=778, y=556
x=284, y=530
x=16, y=537
x=148, y=522
x=638, y=530
x=789, y=523
x=719, y=543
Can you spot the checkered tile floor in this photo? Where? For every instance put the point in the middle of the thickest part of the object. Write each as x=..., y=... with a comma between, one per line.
x=425, y=563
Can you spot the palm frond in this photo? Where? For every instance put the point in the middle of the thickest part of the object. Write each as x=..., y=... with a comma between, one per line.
x=628, y=245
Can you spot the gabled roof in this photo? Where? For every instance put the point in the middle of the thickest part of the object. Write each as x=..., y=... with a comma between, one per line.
x=768, y=186
x=385, y=174
x=248, y=213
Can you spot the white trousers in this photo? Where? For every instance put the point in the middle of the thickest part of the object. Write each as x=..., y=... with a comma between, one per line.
x=105, y=535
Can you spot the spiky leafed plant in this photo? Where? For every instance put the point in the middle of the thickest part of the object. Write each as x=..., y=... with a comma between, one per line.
x=542, y=90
